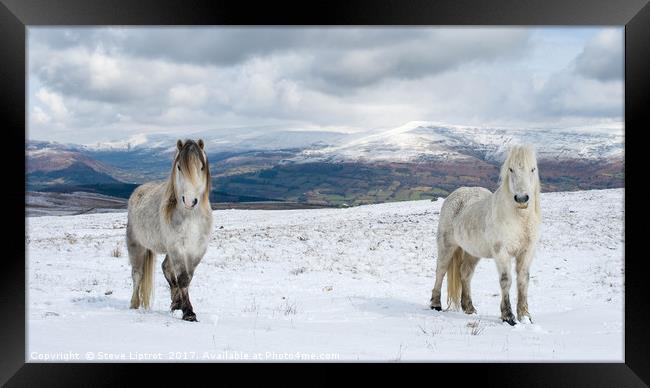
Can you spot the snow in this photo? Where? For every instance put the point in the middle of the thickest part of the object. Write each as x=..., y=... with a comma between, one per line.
x=231, y=139
x=412, y=141
x=132, y=141
x=328, y=284
x=404, y=143
x=423, y=139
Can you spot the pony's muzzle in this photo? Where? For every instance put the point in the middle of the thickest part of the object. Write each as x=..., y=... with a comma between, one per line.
x=194, y=202
x=521, y=198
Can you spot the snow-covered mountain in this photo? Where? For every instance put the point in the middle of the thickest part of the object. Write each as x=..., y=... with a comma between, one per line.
x=225, y=140
x=417, y=160
x=421, y=140
x=413, y=141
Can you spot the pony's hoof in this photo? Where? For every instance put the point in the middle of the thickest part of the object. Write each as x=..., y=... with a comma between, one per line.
x=470, y=311
x=525, y=320
x=510, y=321
x=437, y=308
x=189, y=316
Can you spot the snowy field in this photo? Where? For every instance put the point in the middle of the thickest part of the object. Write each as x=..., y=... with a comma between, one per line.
x=328, y=284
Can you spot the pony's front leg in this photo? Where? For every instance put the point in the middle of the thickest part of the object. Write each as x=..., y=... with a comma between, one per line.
x=168, y=271
x=184, y=280
x=523, y=265
x=179, y=276
x=504, y=268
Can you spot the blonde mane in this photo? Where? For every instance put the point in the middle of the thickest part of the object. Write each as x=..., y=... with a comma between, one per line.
x=188, y=154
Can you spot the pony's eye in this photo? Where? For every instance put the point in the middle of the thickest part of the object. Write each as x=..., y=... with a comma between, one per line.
x=179, y=167
x=510, y=170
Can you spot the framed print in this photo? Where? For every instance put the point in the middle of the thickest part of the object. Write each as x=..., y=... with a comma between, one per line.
x=366, y=182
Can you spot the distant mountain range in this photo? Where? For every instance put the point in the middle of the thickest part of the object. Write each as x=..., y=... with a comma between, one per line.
x=415, y=161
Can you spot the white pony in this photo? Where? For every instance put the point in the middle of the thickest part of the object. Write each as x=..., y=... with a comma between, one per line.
x=475, y=223
x=173, y=217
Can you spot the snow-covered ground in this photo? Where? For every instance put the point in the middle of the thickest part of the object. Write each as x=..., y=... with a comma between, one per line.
x=328, y=284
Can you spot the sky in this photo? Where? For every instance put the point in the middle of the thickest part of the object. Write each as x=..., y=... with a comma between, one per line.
x=99, y=84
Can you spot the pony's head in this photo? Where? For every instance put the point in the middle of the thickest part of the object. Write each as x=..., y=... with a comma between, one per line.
x=190, y=184
x=520, y=177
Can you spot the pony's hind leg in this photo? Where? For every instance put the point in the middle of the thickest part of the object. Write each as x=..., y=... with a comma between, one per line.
x=445, y=254
x=467, y=267
x=173, y=284
x=136, y=275
x=505, y=279
x=137, y=254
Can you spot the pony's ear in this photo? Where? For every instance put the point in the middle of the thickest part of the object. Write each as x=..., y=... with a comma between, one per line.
x=200, y=142
x=179, y=144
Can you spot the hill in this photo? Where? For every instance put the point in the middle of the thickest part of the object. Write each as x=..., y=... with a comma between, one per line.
x=419, y=160
x=348, y=284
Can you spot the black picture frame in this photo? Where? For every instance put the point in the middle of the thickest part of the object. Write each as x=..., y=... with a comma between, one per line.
x=17, y=15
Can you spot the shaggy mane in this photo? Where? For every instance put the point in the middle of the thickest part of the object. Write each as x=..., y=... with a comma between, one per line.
x=190, y=153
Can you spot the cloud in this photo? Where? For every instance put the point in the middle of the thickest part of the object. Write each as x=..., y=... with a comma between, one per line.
x=602, y=58
x=427, y=53
x=346, y=57
x=54, y=104
x=111, y=82
x=568, y=94
x=39, y=116
x=114, y=78
x=591, y=86
x=193, y=96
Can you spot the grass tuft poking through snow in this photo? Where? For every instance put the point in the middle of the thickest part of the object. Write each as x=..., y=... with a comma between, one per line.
x=116, y=252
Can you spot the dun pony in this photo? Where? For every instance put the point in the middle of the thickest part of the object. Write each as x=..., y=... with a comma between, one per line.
x=475, y=223
x=173, y=217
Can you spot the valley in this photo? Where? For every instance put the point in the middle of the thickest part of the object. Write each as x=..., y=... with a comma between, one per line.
x=419, y=160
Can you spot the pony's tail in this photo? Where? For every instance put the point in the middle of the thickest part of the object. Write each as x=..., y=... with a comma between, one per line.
x=146, y=284
x=454, y=285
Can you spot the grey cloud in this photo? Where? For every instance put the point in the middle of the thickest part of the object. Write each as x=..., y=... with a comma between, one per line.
x=568, y=95
x=227, y=46
x=427, y=54
x=318, y=77
x=217, y=45
x=593, y=87
x=107, y=77
x=340, y=57
x=602, y=58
